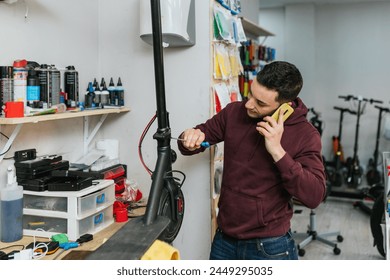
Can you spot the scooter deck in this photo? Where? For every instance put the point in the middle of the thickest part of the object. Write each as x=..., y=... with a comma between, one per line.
x=131, y=241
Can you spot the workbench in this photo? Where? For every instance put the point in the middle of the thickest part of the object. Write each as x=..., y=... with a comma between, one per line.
x=76, y=253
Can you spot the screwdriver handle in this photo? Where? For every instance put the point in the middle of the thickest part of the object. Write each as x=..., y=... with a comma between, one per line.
x=205, y=145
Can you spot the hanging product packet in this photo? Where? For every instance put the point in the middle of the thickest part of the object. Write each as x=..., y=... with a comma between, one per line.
x=216, y=68
x=223, y=60
x=222, y=24
x=235, y=62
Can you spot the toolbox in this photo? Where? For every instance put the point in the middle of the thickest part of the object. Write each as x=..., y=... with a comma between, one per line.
x=71, y=212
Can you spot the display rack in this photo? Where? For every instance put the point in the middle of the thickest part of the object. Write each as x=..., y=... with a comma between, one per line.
x=88, y=136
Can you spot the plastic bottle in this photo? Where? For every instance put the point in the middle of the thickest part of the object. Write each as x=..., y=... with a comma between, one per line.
x=96, y=100
x=95, y=83
x=20, y=80
x=111, y=90
x=90, y=96
x=104, y=97
x=120, y=93
x=11, y=209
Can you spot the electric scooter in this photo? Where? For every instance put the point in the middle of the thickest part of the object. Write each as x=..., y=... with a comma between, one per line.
x=355, y=171
x=165, y=207
x=373, y=175
x=337, y=177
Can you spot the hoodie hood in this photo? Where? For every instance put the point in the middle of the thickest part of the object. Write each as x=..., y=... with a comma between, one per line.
x=299, y=114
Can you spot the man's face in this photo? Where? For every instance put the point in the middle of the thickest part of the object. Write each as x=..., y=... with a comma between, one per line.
x=261, y=101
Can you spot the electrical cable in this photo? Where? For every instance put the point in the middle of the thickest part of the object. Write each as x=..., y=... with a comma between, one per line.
x=38, y=247
x=9, y=146
x=10, y=246
x=140, y=144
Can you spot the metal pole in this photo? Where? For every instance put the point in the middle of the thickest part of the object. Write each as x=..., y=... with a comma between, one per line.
x=158, y=64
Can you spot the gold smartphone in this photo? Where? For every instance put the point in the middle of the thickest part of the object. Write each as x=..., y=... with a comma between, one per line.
x=288, y=110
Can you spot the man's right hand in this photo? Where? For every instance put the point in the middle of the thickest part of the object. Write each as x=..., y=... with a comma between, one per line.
x=192, y=138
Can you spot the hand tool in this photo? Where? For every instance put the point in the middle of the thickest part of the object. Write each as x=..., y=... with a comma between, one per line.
x=204, y=143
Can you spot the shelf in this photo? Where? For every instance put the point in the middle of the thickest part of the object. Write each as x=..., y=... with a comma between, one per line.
x=88, y=135
x=60, y=116
x=253, y=29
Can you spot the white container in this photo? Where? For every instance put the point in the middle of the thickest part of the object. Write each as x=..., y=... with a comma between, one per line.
x=69, y=211
x=73, y=228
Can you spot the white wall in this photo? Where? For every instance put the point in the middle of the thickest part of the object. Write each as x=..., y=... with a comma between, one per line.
x=250, y=9
x=341, y=49
x=101, y=39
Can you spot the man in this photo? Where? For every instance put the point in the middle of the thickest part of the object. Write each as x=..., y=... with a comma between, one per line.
x=266, y=164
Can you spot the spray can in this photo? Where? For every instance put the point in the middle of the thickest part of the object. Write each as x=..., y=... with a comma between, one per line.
x=6, y=85
x=71, y=86
x=43, y=76
x=54, y=85
x=11, y=209
x=33, y=89
x=50, y=84
x=20, y=80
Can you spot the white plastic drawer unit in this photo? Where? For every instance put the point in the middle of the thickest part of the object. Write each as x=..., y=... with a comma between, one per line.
x=47, y=226
x=72, y=212
x=95, y=201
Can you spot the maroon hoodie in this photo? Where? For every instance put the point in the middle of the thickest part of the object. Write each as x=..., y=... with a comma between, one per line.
x=256, y=192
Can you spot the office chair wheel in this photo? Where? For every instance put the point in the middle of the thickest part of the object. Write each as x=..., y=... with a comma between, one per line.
x=301, y=252
x=340, y=238
x=336, y=251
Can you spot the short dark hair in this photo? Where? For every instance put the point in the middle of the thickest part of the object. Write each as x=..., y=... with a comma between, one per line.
x=282, y=77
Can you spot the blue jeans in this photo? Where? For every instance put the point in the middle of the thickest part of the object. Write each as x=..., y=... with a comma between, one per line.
x=270, y=248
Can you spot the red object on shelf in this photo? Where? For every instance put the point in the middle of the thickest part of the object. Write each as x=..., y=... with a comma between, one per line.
x=120, y=212
x=115, y=172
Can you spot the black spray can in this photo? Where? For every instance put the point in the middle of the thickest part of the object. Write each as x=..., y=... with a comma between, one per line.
x=6, y=85
x=50, y=84
x=71, y=85
x=43, y=76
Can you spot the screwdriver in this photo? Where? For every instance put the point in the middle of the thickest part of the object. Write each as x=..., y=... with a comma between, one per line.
x=203, y=144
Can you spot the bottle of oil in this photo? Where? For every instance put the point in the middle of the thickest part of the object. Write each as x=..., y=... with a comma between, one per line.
x=11, y=209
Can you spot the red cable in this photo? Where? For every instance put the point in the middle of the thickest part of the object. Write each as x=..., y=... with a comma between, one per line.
x=140, y=144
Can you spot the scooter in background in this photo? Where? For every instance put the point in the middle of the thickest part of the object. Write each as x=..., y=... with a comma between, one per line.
x=315, y=121
x=337, y=176
x=355, y=171
x=373, y=175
